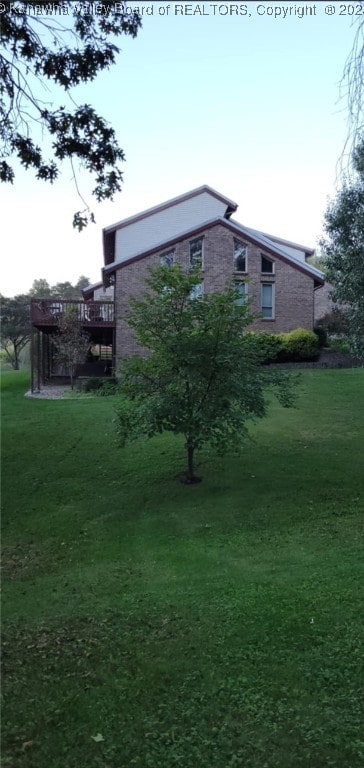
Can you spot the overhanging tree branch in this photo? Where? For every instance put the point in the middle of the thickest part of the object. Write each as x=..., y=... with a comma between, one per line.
x=35, y=51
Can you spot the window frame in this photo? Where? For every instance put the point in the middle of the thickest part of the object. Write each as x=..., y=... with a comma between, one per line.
x=271, y=261
x=272, y=306
x=191, y=243
x=236, y=241
x=243, y=298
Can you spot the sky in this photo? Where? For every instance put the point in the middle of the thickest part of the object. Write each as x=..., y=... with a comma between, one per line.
x=241, y=96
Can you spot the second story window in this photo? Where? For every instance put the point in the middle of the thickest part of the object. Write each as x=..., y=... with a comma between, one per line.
x=240, y=256
x=196, y=253
x=167, y=259
x=267, y=266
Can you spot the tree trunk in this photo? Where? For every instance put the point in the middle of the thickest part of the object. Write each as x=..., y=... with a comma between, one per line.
x=190, y=476
x=15, y=361
x=190, y=466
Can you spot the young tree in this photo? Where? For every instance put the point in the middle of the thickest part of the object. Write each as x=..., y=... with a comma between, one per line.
x=15, y=327
x=71, y=342
x=66, y=47
x=344, y=247
x=202, y=376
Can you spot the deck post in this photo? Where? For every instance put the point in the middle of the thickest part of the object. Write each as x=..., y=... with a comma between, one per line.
x=48, y=352
x=32, y=361
x=38, y=360
x=43, y=352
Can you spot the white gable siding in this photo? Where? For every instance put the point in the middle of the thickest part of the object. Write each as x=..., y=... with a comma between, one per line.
x=104, y=294
x=295, y=252
x=164, y=225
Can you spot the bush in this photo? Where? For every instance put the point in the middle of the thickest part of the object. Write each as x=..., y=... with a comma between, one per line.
x=269, y=346
x=92, y=384
x=321, y=334
x=299, y=345
x=109, y=387
x=99, y=385
x=335, y=322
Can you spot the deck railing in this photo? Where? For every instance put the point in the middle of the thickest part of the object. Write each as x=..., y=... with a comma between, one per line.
x=49, y=311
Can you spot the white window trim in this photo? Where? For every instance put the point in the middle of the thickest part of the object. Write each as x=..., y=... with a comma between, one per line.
x=263, y=256
x=272, y=285
x=195, y=239
x=240, y=271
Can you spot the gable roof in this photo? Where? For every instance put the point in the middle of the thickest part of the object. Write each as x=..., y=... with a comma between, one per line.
x=230, y=206
x=304, y=248
x=91, y=288
x=270, y=243
x=263, y=241
x=164, y=221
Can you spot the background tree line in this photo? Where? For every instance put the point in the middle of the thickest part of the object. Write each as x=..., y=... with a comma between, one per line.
x=15, y=314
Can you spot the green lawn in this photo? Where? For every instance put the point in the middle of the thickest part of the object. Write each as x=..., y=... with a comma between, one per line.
x=207, y=626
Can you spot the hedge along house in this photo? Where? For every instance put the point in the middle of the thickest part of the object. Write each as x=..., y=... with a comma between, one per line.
x=195, y=228
x=198, y=228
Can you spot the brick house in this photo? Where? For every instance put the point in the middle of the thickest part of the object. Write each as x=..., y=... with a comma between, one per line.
x=198, y=228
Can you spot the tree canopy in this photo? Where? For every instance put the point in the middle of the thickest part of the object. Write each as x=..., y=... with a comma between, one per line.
x=202, y=377
x=344, y=248
x=352, y=89
x=71, y=341
x=14, y=327
x=66, y=290
x=15, y=313
x=40, y=46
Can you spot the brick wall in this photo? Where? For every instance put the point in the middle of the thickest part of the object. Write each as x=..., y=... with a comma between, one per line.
x=323, y=301
x=294, y=295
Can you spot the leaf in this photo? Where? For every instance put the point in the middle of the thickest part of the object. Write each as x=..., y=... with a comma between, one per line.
x=98, y=737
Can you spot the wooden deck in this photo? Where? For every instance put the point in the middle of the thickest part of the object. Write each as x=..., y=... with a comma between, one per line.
x=46, y=313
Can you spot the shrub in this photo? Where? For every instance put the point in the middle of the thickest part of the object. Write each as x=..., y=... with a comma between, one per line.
x=335, y=322
x=269, y=346
x=321, y=334
x=109, y=387
x=299, y=345
x=100, y=386
x=92, y=384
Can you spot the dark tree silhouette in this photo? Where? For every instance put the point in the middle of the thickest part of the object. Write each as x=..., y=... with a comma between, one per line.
x=40, y=47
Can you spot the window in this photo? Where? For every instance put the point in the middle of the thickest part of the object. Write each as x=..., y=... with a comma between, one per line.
x=196, y=291
x=268, y=301
x=242, y=293
x=267, y=266
x=196, y=253
x=239, y=256
x=167, y=259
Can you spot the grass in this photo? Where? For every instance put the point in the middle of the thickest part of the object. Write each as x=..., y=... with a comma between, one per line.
x=152, y=624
